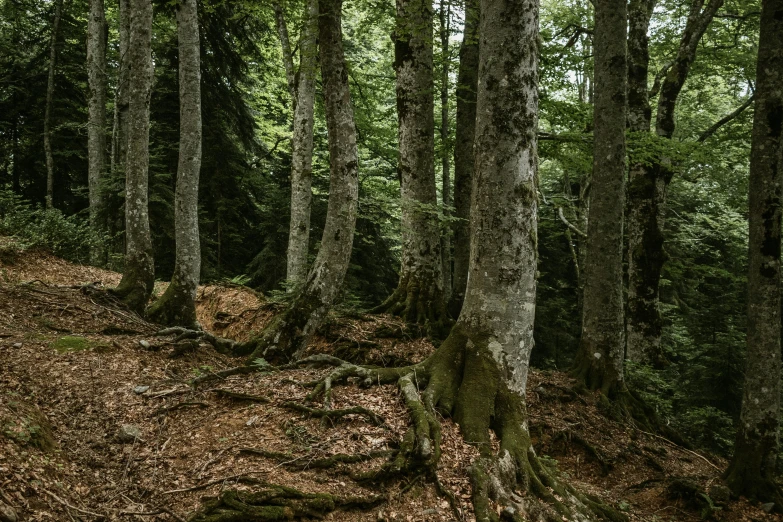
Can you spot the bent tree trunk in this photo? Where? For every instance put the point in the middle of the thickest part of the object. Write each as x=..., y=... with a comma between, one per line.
x=96, y=127
x=177, y=306
x=47, y=137
x=753, y=467
x=302, y=148
x=599, y=361
x=138, y=276
x=288, y=334
x=467, y=84
x=419, y=297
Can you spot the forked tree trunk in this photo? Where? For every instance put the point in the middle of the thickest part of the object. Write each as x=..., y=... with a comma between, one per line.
x=119, y=140
x=47, y=137
x=419, y=296
x=445, y=30
x=302, y=147
x=138, y=275
x=754, y=465
x=648, y=185
x=287, y=336
x=599, y=361
x=177, y=306
x=96, y=126
x=467, y=84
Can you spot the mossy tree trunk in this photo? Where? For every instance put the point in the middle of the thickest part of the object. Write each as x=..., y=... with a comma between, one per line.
x=138, y=276
x=119, y=139
x=288, y=334
x=649, y=181
x=444, y=13
x=47, y=131
x=177, y=306
x=419, y=297
x=467, y=85
x=599, y=361
x=753, y=467
x=96, y=125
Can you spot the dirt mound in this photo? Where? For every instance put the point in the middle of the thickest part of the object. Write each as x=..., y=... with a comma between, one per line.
x=132, y=439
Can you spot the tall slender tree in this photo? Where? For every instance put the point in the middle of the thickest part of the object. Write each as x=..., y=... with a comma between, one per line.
x=47, y=137
x=753, y=467
x=467, y=85
x=138, y=276
x=444, y=14
x=96, y=126
x=119, y=140
x=419, y=297
x=599, y=361
x=177, y=306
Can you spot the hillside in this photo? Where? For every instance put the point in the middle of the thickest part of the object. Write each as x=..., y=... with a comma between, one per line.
x=99, y=419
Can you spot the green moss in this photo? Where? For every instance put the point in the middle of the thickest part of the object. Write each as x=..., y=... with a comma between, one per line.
x=24, y=424
x=71, y=343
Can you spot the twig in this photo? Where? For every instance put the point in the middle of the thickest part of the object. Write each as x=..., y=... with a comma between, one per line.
x=213, y=482
x=66, y=504
x=210, y=461
x=683, y=449
x=569, y=225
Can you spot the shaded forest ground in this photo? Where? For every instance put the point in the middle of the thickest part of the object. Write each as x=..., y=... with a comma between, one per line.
x=97, y=417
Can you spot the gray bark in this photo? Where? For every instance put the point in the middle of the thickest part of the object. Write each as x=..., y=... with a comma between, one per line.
x=419, y=295
x=47, y=137
x=138, y=276
x=302, y=145
x=445, y=29
x=119, y=142
x=600, y=358
x=289, y=333
x=753, y=467
x=96, y=126
x=177, y=306
x=648, y=184
x=467, y=84
x=285, y=47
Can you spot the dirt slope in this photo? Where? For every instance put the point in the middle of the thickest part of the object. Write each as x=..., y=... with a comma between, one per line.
x=98, y=421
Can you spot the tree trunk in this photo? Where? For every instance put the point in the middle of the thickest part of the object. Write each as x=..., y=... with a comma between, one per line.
x=302, y=147
x=599, y=362
x=119, y=142
x=287, y=336
x=96, y=127
x=445, y=30
x=418, y=298
x=467, y=84
x=138, y=276
x=649, y=182
x=177, y=306
x=753, y=467
x=47, y=137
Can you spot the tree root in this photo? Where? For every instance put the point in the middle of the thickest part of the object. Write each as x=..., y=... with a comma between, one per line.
x=569, y=436
x=333, y=415
x=305, y=462
x=275, y=502
x=221, y=344
x=223, y=374
x=239, y=396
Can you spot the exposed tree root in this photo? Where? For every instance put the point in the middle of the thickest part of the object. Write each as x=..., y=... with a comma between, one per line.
x=239, y=396
x=274, y=502
x=333, y=415
x=306, y=462
x=571, y=437
x=418, y=303
x=221, y=344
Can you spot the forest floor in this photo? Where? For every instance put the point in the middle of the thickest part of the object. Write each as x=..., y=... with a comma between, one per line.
x=98, y=420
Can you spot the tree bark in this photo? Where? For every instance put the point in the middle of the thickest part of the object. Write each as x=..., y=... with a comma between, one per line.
x=177, y=306
x=96, y=127
x=753, y=467
x=445, y=30
x=599, y=362
x=138, y=276
x=419, y=297
x=287, y=336
x=648, y=184
x=467, y=85
x=47, y=137
x=303, y=95
x=119, y=142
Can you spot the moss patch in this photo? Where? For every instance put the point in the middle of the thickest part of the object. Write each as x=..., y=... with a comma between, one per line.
x=24, y=423
x=71, y=343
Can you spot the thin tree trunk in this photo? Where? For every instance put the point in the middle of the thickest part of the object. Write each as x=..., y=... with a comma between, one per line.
x=177, y=306
x=467, y=84
x=96, y=127
x=47, y=138
x=285, y=46
x=138, y=276
x=418, y=298
x=647, y=190
x=753, y=467
x=445, y=30
x=119, y=142
x=303, y=95
x=287, y=336
x=599, y=362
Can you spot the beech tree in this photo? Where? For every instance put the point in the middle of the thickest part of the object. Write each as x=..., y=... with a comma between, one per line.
x=177, y=306
x=47, y=131
x=138, y=275
x=119, y=139
x=753, y=467
x=96, y=126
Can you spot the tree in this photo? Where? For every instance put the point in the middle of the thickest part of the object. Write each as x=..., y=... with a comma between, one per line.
x=177, y=306
x=419, y=297
x=58, y=12
x=119, y=141
x=288, y=334
x=599, y=362
x=96, y=126
x=138, y=276
x=649, y=178
x=753, y=467
x=467, y=85
x=444, y=13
